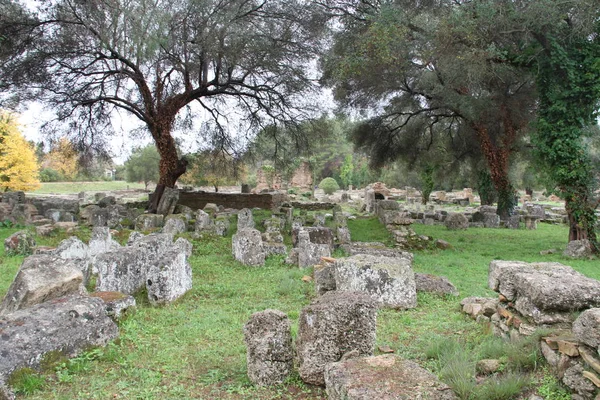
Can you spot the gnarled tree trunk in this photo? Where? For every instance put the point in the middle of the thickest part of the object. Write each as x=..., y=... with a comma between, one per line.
x=171, y=167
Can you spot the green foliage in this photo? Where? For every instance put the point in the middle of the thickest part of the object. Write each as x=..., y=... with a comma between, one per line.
x=485, y=187
x=329, y=185
x=142, y=165
x=50, y=175
x=551, y=389
x=347, y=171
x=427, y=182
x=569, y=86
x=26, y=381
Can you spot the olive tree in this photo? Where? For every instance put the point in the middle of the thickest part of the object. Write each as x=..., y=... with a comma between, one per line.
x=164, y=62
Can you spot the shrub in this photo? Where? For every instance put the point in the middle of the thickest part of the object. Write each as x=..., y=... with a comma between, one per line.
x=329, y=185
x=50, y=175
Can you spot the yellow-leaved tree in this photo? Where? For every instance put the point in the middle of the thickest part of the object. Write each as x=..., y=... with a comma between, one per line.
x=19, y=168
x=63, y=158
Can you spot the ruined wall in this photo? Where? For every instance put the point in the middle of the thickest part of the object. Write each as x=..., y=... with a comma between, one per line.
x=302, y=177
x=197, y=200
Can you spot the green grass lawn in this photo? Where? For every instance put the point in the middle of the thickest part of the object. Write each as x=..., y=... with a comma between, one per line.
x=76, y=187
x=194, y=349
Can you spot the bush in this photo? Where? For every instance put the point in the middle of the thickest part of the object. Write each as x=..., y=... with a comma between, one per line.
x=50, y=175
x=329, y=185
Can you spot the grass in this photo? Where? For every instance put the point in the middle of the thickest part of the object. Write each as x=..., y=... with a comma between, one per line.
x=76, y=187
x=194, y=349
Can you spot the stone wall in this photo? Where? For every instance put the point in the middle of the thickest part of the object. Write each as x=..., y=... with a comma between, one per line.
x=314, y=206
x=302, y=177
x=266, y=201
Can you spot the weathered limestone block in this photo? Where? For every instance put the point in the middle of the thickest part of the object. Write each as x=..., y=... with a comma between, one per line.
x=42, y=278
x=44, y=204
x=369, y=200
x=59, y=215
x=316, y=234
x=21, y=243
x=308, y=253
x=247, y=247
x=334, y=324
x=222, y=225
x=389, y=281
x=343, y=235
x=68, y=324
x=98, y=216
x=269, y=355
x=578, y=249
x=79, y=253
x=107, y=201
x=435, y=284
x=245, y=220
x=376, y=249
x=124, y=270
x=117, y=304
x=456, y=221
x=155, y=244
x=169, y=278
x=174, y=226
x=383, y=377
x=324, y=278
x=204, y=223
x=587, y=327
x=574, y=379
x=149, y=221
x=491, y=220
x=168, y=201
x=153, y=262
x=101, y=241
x=134, y=236
x=546, y=292
x=530, y=222
x=13, y=198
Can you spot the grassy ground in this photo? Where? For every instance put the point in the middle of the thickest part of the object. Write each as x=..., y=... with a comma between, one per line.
x=194, y=349
x=76, y=187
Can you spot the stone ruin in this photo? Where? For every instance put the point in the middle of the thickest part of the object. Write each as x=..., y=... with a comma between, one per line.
x=390, y=281
x=47, y=307
x=270, y=355
x=534, y=296
x=334, y=348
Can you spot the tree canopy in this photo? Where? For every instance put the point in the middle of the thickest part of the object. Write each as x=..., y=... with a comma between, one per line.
x=432, y=69
x=164, y=62
x=142, y=165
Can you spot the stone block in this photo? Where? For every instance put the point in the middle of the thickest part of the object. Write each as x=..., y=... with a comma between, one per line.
x=42, y=278
x=546, y=292
x=145, y=222
x=169, y=277
x=168, y=201
x=586, y=327
x=117, y=304
x=245, y=219
x=174, y=226
x=579, y=249
x=317, y=235
x=389, y=281
x=383, y=377
x=247, y=247
x=67, y=324
x=456, y=221
x=333, y=325
x=435, y=284
x=19, y=243
x=269, y=355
